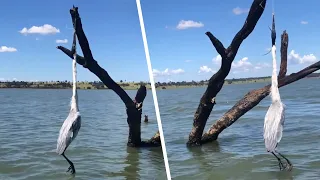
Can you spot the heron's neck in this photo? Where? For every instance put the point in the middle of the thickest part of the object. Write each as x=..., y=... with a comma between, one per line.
x=275, y=96
x=74, y=99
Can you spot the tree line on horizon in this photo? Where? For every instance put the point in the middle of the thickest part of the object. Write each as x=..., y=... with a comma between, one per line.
x=62, y=84
x=99, y=85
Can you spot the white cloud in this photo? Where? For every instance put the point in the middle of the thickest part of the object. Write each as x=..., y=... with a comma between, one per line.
x=217, y=59
x=167, y=72
x=2, y=79
x=239, y=11
x=7, y=49
x=188, y=61
x=304, y=22
x=189, y=24
x=62, y=41
x=261, y=65
x=242, y=65
x=177, y=71
x=205, y=69
x=295, y=58
x=43, y=30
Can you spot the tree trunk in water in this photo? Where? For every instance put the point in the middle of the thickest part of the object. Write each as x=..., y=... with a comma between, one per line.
x=254, y=97
x=217, y=80
x=133, y=108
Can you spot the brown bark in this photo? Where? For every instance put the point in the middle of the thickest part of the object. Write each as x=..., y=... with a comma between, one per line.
x=284, y=54
x=154, y=141
x=217, y=80
x=133, y=110
x=254, y=97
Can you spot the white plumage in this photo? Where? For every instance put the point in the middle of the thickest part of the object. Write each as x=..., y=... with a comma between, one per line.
x=72, y=124
x=275, y=117
x=68, y=131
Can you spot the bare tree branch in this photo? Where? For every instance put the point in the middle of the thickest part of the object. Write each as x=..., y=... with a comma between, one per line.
x=102, y=75
x=217, y=80
x=249, y=101
x=254, y=97
x=133, y=108
x=284, y=54
x=217, y=44
x=253, y=17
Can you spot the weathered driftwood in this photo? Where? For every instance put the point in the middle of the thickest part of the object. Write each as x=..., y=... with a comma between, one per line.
x=253, y=98
x=133, y=108
x=217, y=80
x=284, y=54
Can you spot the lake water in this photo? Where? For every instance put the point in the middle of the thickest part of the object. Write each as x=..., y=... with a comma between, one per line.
x=30, y=121
x=239, y=152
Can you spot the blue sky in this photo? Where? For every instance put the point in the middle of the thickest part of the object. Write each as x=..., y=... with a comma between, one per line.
x=112, y=28
x=180, y=50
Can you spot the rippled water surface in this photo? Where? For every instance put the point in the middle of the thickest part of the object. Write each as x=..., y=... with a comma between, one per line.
x=30, y=121
x=239, y=152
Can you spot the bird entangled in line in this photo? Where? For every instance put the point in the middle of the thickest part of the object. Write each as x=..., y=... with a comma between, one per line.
x=72, y=124
x=273, y=33
x=275, y=116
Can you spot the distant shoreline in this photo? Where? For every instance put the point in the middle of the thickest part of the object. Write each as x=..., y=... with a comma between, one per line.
x=96, y=85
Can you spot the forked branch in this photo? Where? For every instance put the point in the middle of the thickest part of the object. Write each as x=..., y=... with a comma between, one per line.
x=252, y=98
x=133, y=108
x=217, y=80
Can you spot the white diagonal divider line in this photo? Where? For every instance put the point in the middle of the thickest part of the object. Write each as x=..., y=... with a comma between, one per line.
x=154, y=94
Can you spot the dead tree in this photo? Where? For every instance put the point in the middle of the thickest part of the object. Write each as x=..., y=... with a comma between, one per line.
x=216, y=82
x=250, y=100
x=253, y=98
x=133, y=107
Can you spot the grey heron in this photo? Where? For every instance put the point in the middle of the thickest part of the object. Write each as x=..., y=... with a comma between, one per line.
x=72, y=124
x=275, y=116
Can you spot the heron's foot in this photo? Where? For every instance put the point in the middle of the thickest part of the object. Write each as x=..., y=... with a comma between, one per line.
x=288, y=166
x=281, y=166
x=71, y=169
x=288, y=163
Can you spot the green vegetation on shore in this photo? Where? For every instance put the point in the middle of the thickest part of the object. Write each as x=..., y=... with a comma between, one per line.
x=68, y=85
x=184, y=84
x=129, y=85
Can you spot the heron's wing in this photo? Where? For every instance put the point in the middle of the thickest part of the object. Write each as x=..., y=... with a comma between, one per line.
x=76, y=125
x=281, y=123
x=68, y=131
x=283, y=117
x=273, y=125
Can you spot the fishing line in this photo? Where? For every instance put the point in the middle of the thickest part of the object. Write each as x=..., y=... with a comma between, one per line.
x=273, y=6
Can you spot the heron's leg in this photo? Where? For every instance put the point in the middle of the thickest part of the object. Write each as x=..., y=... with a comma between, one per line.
x=73, y=171
x=288, y=162
x=279, y=160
